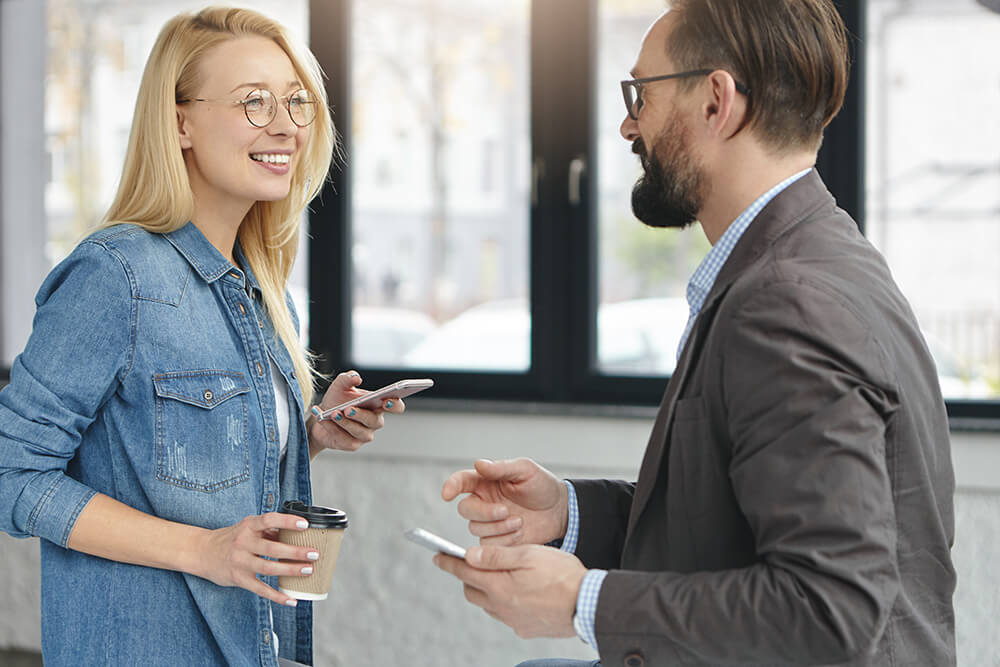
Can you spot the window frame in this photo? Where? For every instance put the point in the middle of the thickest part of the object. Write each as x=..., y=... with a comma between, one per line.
x=563, y=235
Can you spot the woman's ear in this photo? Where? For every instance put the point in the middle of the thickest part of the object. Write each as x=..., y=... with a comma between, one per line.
x=182, y=132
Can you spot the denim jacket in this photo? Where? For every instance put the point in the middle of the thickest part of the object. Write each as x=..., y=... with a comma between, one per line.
x=146, y=378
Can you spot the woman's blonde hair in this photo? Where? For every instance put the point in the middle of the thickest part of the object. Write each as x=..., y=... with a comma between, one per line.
x=154, y=191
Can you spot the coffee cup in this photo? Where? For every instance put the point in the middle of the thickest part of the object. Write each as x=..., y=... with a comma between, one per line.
x=325, y=532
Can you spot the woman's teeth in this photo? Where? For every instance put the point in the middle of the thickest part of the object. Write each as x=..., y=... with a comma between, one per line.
x=273, y=158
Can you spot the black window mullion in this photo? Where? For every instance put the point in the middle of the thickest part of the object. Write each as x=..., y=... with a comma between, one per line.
x=560, y=127
x=329, y=215
x=841, y=159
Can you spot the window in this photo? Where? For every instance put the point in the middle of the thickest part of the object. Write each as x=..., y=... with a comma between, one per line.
x=568, y=298
x=439, y=252
x=642, y=272
x=933, y=204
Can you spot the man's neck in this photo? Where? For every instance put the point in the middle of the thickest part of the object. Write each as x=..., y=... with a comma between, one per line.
x=740, y=179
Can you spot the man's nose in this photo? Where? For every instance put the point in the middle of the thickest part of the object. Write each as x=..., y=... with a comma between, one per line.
x=629, y=129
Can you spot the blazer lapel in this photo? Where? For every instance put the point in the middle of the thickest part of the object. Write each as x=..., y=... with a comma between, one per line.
x=788, y=208
x=657, y=447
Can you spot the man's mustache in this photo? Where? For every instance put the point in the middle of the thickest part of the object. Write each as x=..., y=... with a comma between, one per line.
x=639, y=148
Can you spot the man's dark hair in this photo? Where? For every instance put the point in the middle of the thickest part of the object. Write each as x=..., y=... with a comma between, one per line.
x=791, y=54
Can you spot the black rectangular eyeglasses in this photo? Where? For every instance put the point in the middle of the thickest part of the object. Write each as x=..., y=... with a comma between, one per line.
x=632, y=88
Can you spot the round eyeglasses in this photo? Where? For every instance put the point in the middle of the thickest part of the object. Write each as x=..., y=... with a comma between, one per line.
x=261, y=106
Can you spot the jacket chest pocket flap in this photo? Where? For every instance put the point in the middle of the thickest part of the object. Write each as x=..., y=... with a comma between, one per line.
x=202, y=429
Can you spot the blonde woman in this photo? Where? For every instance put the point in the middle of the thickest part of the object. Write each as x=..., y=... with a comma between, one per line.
x=155, y=421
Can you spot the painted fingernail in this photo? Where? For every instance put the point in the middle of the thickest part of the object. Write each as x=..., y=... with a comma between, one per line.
x=291, y=602
x=302, y=523
x=352, y=412
x=338, y=417
x=388, y=404
x=353, y=374
x=312, y=555
x=307, y=570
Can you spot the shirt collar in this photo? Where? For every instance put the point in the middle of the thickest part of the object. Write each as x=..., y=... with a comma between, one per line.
x=206, y=259
x=703, y=279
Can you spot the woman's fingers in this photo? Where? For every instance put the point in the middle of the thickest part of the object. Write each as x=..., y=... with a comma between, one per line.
x=258, y=587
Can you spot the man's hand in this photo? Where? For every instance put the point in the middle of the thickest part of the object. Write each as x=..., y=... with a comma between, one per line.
x=531, y=588
x=510, y=502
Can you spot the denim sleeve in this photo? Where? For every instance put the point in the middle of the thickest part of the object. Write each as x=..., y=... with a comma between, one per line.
x=79, y=350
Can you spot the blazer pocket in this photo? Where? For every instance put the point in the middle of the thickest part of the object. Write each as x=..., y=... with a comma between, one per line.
x=702, y=476
x=202, y=430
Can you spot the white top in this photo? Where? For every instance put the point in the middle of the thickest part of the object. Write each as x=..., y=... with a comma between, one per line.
x=281, y=406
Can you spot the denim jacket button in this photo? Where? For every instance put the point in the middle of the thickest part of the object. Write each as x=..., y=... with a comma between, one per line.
x=260, y=369
x=243, y=311
x=270, y=500
x=209, y=395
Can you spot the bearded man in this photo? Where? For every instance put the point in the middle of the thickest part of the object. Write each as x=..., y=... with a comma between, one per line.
x=794, y=505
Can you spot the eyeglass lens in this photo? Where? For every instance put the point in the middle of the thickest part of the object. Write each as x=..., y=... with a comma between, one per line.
x=261, y=106
x=633, y=99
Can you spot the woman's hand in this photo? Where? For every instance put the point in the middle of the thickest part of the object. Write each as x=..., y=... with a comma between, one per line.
x=348, y=430
x=234, y=556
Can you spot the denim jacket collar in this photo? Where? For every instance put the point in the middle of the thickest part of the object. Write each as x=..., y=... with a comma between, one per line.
x=208, y=262
x=199, y=252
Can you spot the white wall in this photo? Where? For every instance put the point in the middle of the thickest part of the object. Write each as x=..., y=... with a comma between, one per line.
x=22, y=167
x=391, y=606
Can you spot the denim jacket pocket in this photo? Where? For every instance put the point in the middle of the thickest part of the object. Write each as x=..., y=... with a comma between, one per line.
x=202, y=429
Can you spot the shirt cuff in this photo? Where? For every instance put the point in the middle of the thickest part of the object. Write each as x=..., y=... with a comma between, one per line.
x=50, y=504
x=586, y=606
x=573, y=521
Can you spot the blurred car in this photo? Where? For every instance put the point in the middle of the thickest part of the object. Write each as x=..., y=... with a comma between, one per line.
x=637, y=337
x=382, y=337
x=956, y=383
x=493, y=336
x=640, y=336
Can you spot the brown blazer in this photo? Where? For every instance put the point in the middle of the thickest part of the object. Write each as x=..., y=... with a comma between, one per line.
x=794, y=506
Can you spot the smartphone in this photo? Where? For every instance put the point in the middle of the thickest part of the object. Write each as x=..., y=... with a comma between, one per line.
x=428, y=539
x=373, y=399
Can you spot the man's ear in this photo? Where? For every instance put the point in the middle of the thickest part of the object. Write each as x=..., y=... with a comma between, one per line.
x=724, y=109
x=182, y=131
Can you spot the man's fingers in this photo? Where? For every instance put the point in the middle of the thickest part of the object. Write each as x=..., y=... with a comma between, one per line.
x=490, y=557
x=463, y=481
x=475, y=596
x=475, y=508
x=499, y=470
x=494, y=528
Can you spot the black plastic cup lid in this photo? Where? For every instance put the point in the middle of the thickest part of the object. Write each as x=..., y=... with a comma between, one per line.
x=318, y=517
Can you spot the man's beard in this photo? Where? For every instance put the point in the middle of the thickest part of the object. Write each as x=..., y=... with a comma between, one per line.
x=669, y=193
